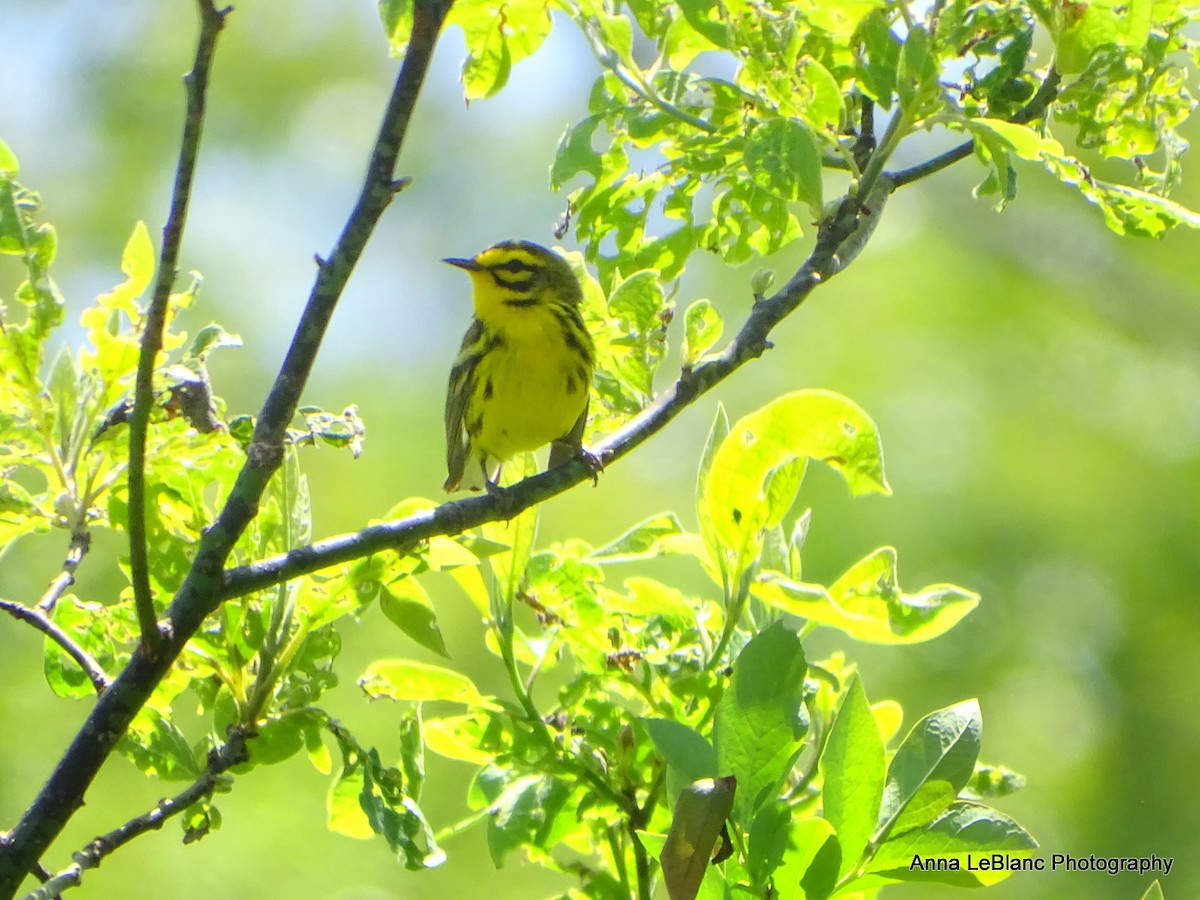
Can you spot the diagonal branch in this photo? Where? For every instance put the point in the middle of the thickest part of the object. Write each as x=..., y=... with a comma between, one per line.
x=201, y=591
x=840, y=238
x=220, y=760
x=1034, y=109
x=212, y=21
x=42, y=623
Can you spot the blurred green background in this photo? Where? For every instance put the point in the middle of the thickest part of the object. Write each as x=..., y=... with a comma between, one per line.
x=1035, y=379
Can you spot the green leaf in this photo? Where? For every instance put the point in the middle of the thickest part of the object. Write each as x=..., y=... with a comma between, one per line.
x=279, y=738
x=821, y=103
x=699, y=816
x=853, y=766
x=769, y=840
x=702, y=327
x=457, y=737
x=1127, y=210
x=412, y=754
x=782, y=158
x=810, y=867
x=404, y=679
x=530, y=811
x=209, y=338
x=397, y=19
x=409, y=608
x=8, y=161
x=760, y=719
x=498, y=36
x=575, y=154
x=1085, y=28
x=1154, y=892
x=370, y=798
x=717, y=432
x=708, y=18
x=757, y=469
x=877, y=71
x=995, y=781
x=156, y=746
x=637, y=305
x=684, y=749
x=935, y=762
x=917, y=74
x=985, y=844
x=661, y=535
x=868, y=604
x=137, y=260
x=518, y=534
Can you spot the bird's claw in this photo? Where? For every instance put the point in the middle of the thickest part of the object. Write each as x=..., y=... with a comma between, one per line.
x=593, y=461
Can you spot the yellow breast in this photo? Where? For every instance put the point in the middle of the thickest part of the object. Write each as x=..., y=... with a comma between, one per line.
x=532, y=387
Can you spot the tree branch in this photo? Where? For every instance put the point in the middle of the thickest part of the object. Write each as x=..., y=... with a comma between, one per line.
x=1034, y=109
x=81, y=542
x=203, y=587
x=220, y=760
x=42, y=623
x=212, y=21
x=840, y=238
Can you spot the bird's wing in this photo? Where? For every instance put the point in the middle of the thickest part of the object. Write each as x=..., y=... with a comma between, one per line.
x=458, y=395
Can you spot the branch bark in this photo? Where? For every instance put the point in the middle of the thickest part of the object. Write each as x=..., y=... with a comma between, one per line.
x=42, y=623
x=212, y=20
x=202, y=589
x=220, y=760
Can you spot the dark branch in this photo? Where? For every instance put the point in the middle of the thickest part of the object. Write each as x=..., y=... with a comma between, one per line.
x=203, y=588
x=1034, y=109
x=220, y=760
x=211, y=22
x=38, y=620
x=838, y=240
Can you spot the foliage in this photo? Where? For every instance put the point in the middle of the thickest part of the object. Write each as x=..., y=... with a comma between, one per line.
x=651, y=733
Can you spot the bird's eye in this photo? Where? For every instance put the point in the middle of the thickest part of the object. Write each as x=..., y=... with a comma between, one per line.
x=514, y=265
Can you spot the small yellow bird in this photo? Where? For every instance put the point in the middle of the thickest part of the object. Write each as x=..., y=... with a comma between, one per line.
x=522, y=377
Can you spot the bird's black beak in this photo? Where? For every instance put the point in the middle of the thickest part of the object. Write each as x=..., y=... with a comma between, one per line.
x=469, y=264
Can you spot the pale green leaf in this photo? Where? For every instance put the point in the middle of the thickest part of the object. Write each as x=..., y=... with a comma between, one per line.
x=702, y=327
x=404, y=679
x=868, y=604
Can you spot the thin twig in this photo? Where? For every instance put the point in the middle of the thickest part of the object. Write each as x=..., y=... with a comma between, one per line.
x=1034, y=109
x=81, y=542
x=212, y=20
x=38, y=620
x=202, y=588
x=220, y=760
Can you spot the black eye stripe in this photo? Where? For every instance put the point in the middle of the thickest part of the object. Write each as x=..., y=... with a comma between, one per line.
x=513, y=265
x=517, y=287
